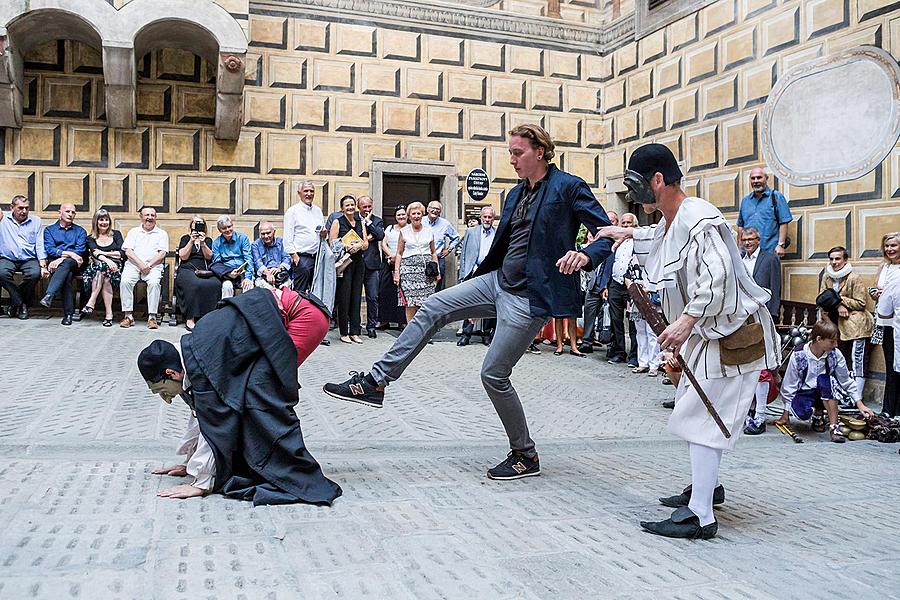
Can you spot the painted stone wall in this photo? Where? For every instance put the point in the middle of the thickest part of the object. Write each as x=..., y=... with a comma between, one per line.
x=326, y=95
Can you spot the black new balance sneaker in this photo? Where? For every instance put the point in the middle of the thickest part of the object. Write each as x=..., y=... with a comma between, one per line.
x=356, y=389
x=516, y=466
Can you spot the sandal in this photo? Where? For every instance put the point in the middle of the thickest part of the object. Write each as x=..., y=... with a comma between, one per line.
x=557, y=353
x=641, y=370
x=107, y=322
x=578, y=354
x=87, y=310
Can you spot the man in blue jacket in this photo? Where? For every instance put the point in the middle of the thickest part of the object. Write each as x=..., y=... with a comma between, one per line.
x=528, y=276
x=64, y=243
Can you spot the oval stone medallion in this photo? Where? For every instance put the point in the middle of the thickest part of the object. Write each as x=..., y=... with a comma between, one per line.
x=834, y=118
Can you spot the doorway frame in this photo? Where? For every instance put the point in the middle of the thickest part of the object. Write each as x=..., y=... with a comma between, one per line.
x=425, y=168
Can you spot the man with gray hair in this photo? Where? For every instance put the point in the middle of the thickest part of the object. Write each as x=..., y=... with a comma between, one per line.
x=303, y=231
x=446, y=238
x=474, y=248
x=271, y=263
x=146, y=248
x=231, y=259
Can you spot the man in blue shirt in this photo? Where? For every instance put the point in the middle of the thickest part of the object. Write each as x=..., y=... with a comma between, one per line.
x=446, y=238
x=271, y=262
x=230, y=251
x=64, y=244
x=21, y=249
x=767, y=211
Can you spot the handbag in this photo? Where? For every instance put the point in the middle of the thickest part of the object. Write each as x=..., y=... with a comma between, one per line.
x=342, y=263
x=431, y=269
x=877, y=338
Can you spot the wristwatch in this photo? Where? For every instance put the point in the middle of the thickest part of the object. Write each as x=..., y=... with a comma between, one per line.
x=782, y=244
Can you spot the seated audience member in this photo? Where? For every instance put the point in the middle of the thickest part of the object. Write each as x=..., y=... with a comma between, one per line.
x=271, y=263
x=853, y=320
x=197, y=289
x=106, y=261
x=816, y=375
x=64, y=243
x=146, y=248
x=231, y=260
x=21, y=249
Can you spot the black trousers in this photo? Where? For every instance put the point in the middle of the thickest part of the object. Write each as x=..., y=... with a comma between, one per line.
x=891, y=377
x=593, y=301
x=31, y=273
x=61, y=283
x=349, y=298
x=618, y=299
x=373, y=287
x=487, y=327
x=442, y=267
x=302, y=272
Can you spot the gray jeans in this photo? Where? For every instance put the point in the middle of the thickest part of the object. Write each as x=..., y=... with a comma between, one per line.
x=479, y=297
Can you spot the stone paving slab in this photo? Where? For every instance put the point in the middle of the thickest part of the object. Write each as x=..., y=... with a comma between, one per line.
x=79, y=434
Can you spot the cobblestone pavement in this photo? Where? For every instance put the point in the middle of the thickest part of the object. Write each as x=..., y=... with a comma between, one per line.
x=79, y=517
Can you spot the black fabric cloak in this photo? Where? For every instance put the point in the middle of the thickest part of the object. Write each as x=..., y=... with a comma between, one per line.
x=242, y=367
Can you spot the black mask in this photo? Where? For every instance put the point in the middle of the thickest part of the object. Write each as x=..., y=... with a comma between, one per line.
x=638, y=188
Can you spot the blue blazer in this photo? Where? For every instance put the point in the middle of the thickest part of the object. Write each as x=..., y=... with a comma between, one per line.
x=372, y=254
x=563, y=203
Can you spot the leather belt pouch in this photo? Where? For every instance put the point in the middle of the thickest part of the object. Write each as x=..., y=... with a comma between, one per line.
x=744, y=346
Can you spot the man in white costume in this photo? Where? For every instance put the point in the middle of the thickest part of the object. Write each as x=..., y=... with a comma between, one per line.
x=718, y=321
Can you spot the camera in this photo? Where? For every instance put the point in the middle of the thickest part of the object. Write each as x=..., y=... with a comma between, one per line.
x=199, y=227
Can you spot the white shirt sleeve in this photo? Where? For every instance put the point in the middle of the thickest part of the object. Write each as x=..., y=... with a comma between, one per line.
x=791, y=383
x=129, y=240
x=201, y=463
x=288, y=237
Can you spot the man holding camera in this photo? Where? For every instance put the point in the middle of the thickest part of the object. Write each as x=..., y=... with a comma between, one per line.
x=271, y=262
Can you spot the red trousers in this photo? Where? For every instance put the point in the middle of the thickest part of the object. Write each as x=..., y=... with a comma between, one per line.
x=306, y=324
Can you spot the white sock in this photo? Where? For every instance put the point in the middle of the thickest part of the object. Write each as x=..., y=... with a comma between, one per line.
x=704, y=477
x=762, y=394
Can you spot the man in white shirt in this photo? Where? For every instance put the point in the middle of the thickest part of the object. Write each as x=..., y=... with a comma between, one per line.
x=303, y=231
x=618, y=299
x=146, y=247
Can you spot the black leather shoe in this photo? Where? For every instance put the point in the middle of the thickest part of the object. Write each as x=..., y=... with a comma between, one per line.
x=11, y=311
x=682, y=524
x=684, y=498
x=371, y=333
x=325, y=343
x=585, y=348
x=668, y=404
x=463, y=341
x=487, y=339
x=47, y=300
x=616, y=360
x=66, y=320
x=23, y=313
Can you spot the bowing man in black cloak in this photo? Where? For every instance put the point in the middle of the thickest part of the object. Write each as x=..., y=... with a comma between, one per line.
x=238, y=373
